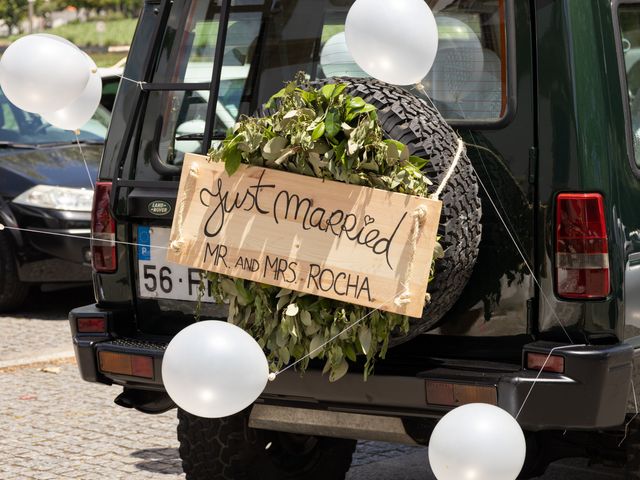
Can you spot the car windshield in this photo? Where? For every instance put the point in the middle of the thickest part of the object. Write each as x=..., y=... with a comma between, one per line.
x=18, y=127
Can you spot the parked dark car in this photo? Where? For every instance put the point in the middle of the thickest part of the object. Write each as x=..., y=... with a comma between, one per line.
x=551, y=131
x=45, y=187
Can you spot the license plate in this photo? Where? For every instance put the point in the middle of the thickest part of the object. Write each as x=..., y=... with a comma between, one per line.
x=158, y=278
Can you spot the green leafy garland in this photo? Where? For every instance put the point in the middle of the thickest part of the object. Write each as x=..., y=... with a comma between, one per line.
x=329, y=134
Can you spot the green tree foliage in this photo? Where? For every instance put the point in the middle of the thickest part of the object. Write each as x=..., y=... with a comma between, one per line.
x=13, y=12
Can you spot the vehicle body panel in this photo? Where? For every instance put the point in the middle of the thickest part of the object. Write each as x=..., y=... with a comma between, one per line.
x=565, y=130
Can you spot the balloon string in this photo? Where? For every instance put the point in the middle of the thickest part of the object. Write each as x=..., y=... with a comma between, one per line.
x=635, y=402
x=85, y=161
x=137, y=82
x=272, y=375
x=81, y=237
x=420, y=88
x=535, y=380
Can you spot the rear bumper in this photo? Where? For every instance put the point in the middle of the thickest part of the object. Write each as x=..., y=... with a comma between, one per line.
x=591, y=394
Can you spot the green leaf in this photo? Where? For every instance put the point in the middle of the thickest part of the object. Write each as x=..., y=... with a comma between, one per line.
x=327, y=90
x=305, y=318
x=360, y=111
x=321, y=147
x=393, y=154
x=314, y=161
x=356, y=102
x=232, y=161
x=273, y=148
x=332, y=122
x=350, y=352
x=272, y=101
x=365, y=339
x=327, y=366
x=308, y=97
x=318, y=131
x=340, y=87
x=286, y=153
x=399, y=145
x=283, y=353
x=282, y=301
x=404, y=153
x=229, y=287
x=418, y=162
x=311, y=329
x=314, y=346
x=281, y=337
x=339, y=371
x=438, y=251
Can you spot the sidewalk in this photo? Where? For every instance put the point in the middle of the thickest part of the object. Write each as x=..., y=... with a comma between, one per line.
x=40, y=331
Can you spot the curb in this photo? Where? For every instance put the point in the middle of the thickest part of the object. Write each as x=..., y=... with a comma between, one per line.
x=20, y=362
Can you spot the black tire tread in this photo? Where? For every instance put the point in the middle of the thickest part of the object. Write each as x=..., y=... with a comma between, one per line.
x=411, y=120
x=228, y=449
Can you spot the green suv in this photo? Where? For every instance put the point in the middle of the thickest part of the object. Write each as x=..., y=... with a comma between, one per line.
x=540, y=277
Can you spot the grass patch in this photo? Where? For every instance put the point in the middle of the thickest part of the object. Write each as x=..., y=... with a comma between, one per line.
x=117, y=32
x=107, y=59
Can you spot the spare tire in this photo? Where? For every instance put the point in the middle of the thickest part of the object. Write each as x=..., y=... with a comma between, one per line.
x=411, y=120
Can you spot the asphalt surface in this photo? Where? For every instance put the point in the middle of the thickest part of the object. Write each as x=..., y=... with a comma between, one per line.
x=57, y=426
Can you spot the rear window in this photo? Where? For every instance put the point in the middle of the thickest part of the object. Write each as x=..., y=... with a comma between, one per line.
x=268, y=42
x=468, y=78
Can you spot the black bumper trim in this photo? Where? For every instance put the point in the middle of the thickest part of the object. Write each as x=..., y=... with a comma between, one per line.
x=590, y=395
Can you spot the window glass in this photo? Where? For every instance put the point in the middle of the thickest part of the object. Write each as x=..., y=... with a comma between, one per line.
x=467, y=80
x=187, y=58
x=18, y=126
x=189, y=43
x=267, y=43
x=629, y=16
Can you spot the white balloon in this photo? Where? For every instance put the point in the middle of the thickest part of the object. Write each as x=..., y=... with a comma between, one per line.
x=394, y=41
x=336, y=60
x=57, y=38
x=458, y=68
x=214, y=369
x=80, y=111
x=43, y=74
x=477, y=441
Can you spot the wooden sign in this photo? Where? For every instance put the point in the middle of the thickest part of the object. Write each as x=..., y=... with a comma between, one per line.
x=330, y=239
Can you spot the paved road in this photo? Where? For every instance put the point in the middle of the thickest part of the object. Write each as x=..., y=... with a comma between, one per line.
x=56, y=426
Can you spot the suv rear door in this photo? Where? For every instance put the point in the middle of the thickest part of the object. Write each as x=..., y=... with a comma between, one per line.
x=255, y=46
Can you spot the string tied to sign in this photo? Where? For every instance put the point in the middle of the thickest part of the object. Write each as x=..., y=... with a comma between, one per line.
x=419, y=216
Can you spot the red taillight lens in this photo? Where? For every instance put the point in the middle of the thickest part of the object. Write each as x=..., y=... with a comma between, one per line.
x=103, y=231
x=92, y=325
x=582, y=252
x=545, y=362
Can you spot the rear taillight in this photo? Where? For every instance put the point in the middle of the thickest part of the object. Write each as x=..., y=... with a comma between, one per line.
x=103, y=231
x=126, y=364
x=92, y=324
x=582, y=252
